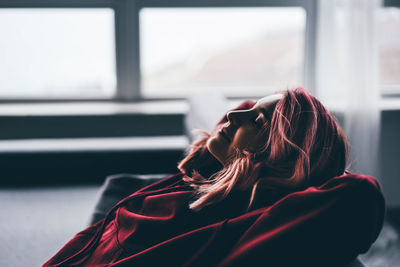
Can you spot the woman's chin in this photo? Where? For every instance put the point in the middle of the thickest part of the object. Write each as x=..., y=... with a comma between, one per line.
x=216, y=148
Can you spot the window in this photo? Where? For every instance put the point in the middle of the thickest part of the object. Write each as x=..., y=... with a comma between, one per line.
x=134, y=50
x=57, y=53
x=389, y=36
x=240, y=51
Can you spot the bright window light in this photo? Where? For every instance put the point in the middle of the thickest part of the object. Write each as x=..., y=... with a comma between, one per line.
x=240, y=51
x=389, y=37
x=56, y=53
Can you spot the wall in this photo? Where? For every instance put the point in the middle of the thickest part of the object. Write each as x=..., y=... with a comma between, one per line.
x=390, y=156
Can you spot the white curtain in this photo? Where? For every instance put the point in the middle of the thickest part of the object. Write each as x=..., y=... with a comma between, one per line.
x=347, y=74
x=206, y=108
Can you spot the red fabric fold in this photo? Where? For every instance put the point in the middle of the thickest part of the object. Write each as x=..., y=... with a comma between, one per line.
x=327, y=225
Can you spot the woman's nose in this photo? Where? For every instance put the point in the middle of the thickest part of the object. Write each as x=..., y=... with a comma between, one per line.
x=236, y=116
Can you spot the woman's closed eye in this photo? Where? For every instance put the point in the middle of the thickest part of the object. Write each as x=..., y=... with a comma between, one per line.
x=257, y=122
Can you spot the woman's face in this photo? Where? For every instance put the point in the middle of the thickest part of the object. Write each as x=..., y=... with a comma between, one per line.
x=243, y=130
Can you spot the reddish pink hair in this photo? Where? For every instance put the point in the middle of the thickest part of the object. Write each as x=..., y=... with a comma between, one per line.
x=305, y=147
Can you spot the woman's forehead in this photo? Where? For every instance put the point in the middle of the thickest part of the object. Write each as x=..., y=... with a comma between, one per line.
x=267, y=101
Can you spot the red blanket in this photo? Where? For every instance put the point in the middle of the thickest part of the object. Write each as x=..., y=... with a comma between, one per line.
x=327, y=225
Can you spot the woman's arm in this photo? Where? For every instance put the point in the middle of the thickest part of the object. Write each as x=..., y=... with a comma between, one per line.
x=325, y=226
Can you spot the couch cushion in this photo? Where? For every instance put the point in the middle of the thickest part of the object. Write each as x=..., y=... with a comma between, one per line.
x=117, y=187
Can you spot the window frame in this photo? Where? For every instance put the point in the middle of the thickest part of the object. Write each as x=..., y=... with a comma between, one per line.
x=127, y=43
x=390, y=90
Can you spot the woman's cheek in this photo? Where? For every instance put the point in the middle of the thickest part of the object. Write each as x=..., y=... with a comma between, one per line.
x=250, y=141
x=243, y=139
x=258, y=143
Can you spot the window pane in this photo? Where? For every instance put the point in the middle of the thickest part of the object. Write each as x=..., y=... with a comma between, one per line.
x=54, y=52
x=242, y=51
x=390, y=46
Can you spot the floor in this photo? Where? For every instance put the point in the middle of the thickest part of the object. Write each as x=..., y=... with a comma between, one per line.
x=385, y=252
x=36, y=223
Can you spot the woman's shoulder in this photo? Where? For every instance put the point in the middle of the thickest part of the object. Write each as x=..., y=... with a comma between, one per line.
x=348, y=191
x=353, y=181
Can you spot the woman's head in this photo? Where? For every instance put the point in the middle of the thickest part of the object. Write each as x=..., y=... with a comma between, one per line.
x=245, y=130
x=305, y=144
x=288, y=140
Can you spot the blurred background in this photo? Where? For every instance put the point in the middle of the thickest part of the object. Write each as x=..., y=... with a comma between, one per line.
x=93, y=88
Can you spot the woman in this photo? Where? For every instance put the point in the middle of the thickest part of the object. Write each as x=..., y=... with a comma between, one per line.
x=288, y=141
x=266, y=187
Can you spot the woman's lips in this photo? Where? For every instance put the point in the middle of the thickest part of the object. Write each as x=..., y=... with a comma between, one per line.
x=223, y=133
